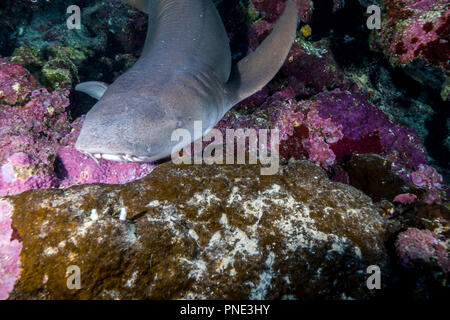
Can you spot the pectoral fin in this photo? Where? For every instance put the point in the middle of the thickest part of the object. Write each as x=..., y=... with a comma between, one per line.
x=95, y=89
x=253, y=72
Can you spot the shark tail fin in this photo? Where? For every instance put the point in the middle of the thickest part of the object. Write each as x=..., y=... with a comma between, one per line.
x=254, y=71
x=141, y=5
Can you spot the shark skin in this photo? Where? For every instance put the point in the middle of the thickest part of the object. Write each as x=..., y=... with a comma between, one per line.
x=183, y=75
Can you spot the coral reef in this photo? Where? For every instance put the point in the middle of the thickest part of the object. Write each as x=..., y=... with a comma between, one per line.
x=37, y=140
x=334, y=125
x=29, y=135
x=73, y=167
x=16, y=83
x=414, y=244
x=405, y=198
x=377, y=121
x=9, y=252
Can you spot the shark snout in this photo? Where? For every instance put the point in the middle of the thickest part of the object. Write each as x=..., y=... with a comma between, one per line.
x=119, y=139
x=109, y=140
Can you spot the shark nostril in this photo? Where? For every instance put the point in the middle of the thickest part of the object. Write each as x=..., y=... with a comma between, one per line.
x=167, y=90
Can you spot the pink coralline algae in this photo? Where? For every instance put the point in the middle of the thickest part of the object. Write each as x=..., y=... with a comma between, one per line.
x=427, y=177
x=9, y=252
x=22, y=171
x=405, y=198
x=416, y=29
x=331, y=126
x=37, y=138
x=310, y=68
x=258, y=31
x=35, y=125
x=414, y=244
x=319, y=134
x=16, y=83
x=74, y=167
x=273, y=112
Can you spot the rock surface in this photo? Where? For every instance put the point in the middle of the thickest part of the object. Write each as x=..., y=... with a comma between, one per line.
x=201, y=231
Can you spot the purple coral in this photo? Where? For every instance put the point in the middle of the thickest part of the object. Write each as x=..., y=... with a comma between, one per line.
x=289, y=117
x=427, y=177
x=9, y=252
x=414, y=244
x=332, y=123
x=322, y=133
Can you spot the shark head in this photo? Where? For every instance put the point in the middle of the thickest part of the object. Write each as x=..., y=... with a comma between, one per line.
x=133, y=127
x=182, y=78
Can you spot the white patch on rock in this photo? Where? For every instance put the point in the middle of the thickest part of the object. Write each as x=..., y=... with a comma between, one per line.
x=62, y=244
x=94, y=215
x=224, y=220
x=154, y=204
x=197, y=270
x=123, y=214
x=203, y=200
x=193, y=234
x=130, y=282
x=130, y=237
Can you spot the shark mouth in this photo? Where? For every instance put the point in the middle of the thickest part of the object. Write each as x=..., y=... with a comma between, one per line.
x=124, y=157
